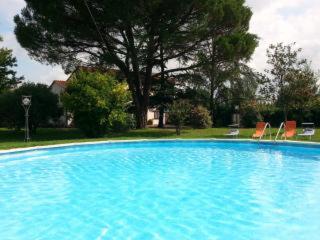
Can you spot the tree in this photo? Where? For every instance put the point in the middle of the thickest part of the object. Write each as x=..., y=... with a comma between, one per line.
x=178, y=114
x=8, y=78
x=97, y=102
x=242, y=88
x=200, y=117
x=228, y=44
x=44, y=106
x=164, y=92
x=122, y=33
x=289, y=82
x=127, y=34
x=11, y=111
x=300, y=89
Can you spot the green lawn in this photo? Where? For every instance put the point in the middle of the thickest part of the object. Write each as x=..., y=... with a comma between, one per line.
x=10, y=139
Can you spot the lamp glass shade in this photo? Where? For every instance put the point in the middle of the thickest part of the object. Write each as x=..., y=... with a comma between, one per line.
x=26, y=101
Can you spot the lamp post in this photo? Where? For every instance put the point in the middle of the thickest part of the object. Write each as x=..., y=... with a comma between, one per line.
x=237, y=115
x=26, y=103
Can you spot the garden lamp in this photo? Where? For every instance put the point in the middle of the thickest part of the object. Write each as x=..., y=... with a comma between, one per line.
x=26, y=103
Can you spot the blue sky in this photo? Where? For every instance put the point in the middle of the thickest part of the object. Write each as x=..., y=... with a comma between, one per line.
x=273, y=21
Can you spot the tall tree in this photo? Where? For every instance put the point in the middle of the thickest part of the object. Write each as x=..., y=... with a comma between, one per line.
x=289, y=82
x=121, y=33
x=282, y=59
x=300, y=89
x=8, y=78
x=228, y=43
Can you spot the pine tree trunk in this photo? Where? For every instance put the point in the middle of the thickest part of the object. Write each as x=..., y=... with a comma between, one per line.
x=161, y=108
x=161, y=117
x=212, y=80
x=141, y=116
x=212, y=102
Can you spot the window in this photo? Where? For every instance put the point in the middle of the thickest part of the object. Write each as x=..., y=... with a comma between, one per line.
x=156, y=115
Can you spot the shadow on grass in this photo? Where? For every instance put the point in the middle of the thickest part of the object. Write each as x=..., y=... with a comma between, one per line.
x=43, y=134
x=144, y=133
x=55, y=134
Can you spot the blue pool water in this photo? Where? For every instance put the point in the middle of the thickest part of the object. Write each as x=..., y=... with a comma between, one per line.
x=161, y=190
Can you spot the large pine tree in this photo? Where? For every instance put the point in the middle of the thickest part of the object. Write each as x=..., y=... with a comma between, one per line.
x=228, y=47
x=126, y=34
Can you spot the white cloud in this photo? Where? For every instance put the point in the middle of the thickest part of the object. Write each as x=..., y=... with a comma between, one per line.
x=32, y=70
x=286, y=21
x=9, y=8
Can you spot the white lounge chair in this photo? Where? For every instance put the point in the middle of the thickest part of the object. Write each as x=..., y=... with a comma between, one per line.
x=233, y=131
x=308, y=130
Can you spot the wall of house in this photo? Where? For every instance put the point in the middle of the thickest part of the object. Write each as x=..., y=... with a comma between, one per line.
x=58, y=90
x=153, y=114
x=63, y=120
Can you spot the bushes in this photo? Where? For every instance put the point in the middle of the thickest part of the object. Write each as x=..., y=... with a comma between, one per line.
x=120, y=121
x=181, y=112
x=200, y=117
x=178, y=113
x=97, y=103
x=250, y=114
x=44, y=106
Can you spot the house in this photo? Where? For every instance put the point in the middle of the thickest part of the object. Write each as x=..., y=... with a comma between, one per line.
x=153, y=117
x=58, y=87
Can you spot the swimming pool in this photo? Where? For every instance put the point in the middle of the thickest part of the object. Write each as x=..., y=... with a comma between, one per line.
x=161, y=190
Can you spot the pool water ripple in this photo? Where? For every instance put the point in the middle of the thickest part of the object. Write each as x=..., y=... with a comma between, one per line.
x=161, y=190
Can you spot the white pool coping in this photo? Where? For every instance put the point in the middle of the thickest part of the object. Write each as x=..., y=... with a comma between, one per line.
x=53, y=146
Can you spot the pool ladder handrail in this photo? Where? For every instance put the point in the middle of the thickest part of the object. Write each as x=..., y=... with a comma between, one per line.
x=267, y=125
x=282, y=125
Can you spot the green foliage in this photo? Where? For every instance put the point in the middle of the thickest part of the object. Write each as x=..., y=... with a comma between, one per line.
x=64, y=32
x=178, y=113
x=138, y=37
x=223, y=54
x=196, y=96
x=250, y=114
x=8, y=78
x=120, y=121
x=290, y=82
x=97, y=103
x=300, y=90
x=200, y=117
x=44, y=106
x=150, y=122
x=11, y=111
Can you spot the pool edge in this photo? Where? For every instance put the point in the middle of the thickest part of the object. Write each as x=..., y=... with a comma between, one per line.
x=52, y=146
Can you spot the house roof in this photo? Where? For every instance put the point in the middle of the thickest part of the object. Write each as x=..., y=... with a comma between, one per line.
x=111, y=71
x=61, y=83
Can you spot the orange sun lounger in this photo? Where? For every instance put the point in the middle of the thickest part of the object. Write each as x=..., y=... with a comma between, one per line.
x=260, y=126
x=290, y=129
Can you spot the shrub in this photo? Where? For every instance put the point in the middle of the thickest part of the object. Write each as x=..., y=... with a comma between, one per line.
x=178, y=113
x=44, y=106
x=150, y=122
x=120, y=121
x=249, y=114
x=200, y=117
x=97, y=102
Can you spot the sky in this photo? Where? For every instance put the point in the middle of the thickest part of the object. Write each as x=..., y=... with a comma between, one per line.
x=275, y=21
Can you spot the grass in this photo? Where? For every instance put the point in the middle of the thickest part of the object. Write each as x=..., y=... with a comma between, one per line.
x=10, y=139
